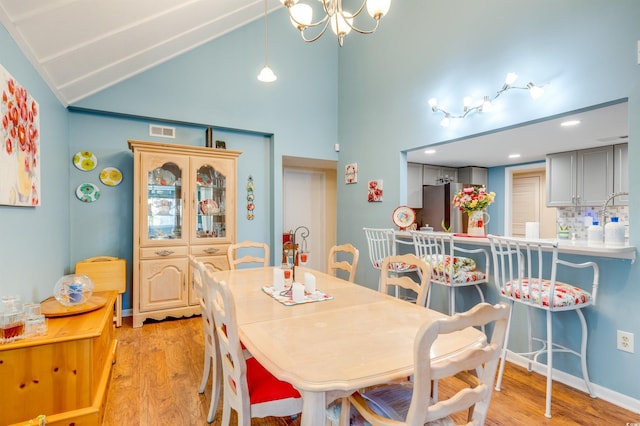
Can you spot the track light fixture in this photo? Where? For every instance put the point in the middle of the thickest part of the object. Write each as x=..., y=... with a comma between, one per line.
x=485, y=105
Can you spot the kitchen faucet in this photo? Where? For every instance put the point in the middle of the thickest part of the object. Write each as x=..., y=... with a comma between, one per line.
x=603, y=211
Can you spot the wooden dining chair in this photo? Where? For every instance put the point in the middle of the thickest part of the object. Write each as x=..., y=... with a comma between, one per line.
x=451, y=266
x=410, y=403
x=211, y=364
x=389, y=278
x=248, y=252
x=248, y=387
x=341, y=252
x=526, y=272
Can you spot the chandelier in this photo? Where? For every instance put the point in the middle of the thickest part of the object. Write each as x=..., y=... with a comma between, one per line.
x=485, y=104
x=341, y=21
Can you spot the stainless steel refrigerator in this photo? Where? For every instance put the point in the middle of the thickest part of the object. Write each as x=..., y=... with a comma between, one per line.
x=437, y=210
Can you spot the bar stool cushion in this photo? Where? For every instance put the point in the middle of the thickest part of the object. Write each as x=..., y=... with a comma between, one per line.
x=564, y=294
x=464, y=268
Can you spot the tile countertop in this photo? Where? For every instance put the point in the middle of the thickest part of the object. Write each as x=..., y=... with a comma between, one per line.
x=580, y=247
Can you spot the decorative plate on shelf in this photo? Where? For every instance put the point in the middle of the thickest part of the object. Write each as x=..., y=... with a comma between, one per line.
x=110, y=176
x=404, y=217
x=85, y=160
x=87, y=192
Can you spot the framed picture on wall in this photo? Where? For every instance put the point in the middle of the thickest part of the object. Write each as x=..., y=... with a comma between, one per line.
x=375, y=191
x=20, y=147
x=351, y=173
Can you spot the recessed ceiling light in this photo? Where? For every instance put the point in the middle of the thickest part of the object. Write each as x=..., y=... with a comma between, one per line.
x=430, y=151
x=514, y=155
x=570, y=123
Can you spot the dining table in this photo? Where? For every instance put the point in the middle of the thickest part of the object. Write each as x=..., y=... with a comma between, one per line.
x=348, y=338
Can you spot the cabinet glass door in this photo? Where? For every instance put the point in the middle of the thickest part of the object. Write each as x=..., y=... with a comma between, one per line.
x=164, y=214
x=210, y=198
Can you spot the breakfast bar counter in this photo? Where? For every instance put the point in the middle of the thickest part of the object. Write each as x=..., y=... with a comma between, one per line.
x=579, y=247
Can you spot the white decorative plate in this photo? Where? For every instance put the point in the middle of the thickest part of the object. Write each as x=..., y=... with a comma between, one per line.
x=110, y=176
x=404, y=217
x=85, y=160
x=87, y=192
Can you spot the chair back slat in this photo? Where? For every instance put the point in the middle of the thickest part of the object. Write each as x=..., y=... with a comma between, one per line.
x=248, y=252
x=388, y=277
x=337, y=260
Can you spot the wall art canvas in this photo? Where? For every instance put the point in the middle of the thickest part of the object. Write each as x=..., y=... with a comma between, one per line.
x=375, y=191
x=351, y=173
x=19, y=144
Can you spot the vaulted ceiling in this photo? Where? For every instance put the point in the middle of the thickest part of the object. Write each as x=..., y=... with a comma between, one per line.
x=80, y=47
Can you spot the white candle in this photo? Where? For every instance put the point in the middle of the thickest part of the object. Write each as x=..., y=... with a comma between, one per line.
x=309, y=282
x=297, y=292
x=278, y=280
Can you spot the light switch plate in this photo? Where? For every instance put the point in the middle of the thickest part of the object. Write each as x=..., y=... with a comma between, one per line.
x=638, y=52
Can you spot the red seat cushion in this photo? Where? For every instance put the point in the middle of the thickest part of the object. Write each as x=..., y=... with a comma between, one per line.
x=264, y=387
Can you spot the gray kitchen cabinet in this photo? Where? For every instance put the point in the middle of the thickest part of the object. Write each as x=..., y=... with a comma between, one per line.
x=414, y=185
x=580, y=178
x=475, y=175
x=437, y=175
x=621, y=173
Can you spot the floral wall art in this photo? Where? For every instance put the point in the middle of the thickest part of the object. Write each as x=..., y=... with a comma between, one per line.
x=351, y=173
x=375, y=191
x=20, y=144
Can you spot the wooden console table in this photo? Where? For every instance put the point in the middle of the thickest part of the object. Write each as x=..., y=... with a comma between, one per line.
x=63, y=375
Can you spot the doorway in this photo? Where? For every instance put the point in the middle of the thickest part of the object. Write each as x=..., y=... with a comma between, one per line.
x=309, y=189
x=525, y=187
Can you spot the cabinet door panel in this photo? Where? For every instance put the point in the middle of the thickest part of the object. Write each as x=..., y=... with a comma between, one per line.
x=595, y=176
x=561, y=179
x=414, y=185
x=213, y=196
x=163, y=284
x=621, y=173
x=163, y=192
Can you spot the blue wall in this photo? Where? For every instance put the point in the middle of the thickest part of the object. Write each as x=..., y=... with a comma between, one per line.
x=35, y=240
x=370, y=96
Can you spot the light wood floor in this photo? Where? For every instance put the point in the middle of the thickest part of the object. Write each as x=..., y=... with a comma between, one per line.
x=159, y=366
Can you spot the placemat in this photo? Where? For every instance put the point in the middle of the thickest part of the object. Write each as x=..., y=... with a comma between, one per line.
x=286, y=299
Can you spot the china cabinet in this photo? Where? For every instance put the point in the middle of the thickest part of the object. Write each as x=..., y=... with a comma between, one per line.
x=184, y=204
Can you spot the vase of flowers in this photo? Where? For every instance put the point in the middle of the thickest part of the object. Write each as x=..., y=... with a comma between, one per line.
x=474, y=201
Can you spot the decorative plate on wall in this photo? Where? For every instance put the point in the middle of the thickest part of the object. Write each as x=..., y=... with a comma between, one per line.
x=87, y=192
x=110, y=176
x=404, y=217
x=85, y=161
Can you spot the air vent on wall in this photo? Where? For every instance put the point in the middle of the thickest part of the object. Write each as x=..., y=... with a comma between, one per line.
x=162, y=131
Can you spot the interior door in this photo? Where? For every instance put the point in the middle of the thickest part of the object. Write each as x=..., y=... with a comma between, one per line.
x=304, y=200
x=528, y=204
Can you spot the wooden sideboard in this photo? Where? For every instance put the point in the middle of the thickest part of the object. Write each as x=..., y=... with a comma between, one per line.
x=63, y=375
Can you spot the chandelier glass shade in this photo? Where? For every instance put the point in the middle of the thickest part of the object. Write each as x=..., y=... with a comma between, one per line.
x=340, y=20
x=266, y=74
x=486, y=104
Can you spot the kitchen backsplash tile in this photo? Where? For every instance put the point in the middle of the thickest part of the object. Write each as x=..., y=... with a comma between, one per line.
x=574, y=218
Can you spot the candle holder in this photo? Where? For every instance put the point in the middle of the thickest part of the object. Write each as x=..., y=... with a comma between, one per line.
x=295, y=251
